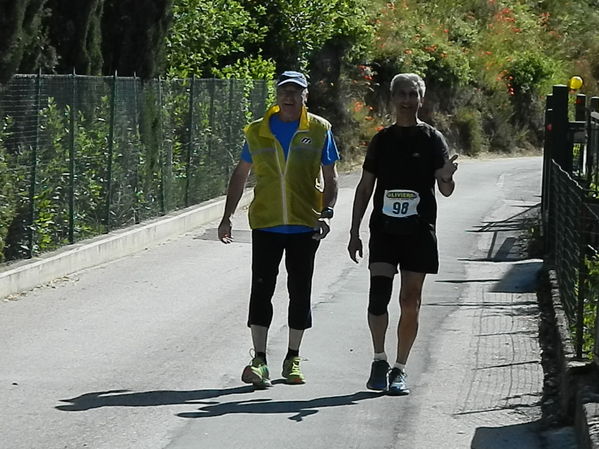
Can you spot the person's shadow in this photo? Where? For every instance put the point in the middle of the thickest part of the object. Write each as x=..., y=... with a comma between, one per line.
x=124, y=398
x=299, y=409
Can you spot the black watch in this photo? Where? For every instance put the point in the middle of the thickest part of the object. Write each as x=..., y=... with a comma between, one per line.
x=327, y=212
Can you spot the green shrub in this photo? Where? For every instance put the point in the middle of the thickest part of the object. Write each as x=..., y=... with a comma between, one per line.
x=470, y=128
x=8, y=198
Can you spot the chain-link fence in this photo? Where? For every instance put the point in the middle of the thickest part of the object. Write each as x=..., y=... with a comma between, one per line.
x=80, y=155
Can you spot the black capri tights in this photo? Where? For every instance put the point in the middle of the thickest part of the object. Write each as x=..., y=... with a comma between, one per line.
x=380, y=294
x=267, y=252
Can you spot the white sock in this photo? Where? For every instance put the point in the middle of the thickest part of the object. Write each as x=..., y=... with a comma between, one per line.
x=401, y=366
x=380, y=356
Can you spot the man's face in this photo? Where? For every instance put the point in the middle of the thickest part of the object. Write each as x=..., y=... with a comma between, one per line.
x=406, y=97
x=290, y=98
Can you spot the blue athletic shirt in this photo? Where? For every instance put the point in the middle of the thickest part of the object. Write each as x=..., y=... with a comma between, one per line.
x=284, y=132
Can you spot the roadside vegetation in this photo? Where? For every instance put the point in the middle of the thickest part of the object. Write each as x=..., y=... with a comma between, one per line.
x=488, y=63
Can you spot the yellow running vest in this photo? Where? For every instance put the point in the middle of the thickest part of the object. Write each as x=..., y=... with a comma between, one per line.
x=287, y=192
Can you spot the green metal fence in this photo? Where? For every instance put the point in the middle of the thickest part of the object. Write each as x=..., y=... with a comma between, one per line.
x=570, y=209
x=80, y=155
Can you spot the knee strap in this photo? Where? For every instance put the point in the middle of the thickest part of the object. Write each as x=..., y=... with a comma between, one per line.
x=380, y=294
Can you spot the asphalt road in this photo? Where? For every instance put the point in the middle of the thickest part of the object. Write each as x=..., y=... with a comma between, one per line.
x=146, y=351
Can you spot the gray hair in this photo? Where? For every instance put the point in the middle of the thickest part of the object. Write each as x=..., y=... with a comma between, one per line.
x=402, y=78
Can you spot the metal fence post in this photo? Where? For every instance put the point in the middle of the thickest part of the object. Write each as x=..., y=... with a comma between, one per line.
x=190, y=141
x=546, y=181
x=229, y=129
x=33, y=172
x=161, y=149
x=136, y=212
x=212, y=91
x=72, y=130
x=580, y=108
x=582, y=278
x=560, y=150
x=577, y=135
x=110, y=151
x=592, y=143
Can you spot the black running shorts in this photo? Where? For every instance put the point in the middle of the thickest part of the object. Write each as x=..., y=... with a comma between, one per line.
x=414, y=252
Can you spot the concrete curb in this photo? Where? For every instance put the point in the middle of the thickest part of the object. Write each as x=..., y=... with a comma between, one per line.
x=578, y=396
x=27, y=274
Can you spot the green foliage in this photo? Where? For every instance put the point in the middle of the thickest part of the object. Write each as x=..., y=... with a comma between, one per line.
x=133, y=36
x=206, y=33
x=7, y=188
x=471, y=135
x=19, y=31
x=247, y=69
x=74, y=30
x=297, y=29
x=526, y=72
x=409, y=43
x=50, y=224
x=590, y=304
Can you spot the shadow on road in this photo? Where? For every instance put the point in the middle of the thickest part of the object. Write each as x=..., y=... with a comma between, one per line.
x=299, y=409
x=125, y=398
x=516, y=436
x=509, y=236
x=520, y=278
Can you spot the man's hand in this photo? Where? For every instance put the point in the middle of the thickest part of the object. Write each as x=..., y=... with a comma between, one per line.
x=224, y=231
x=449, y=168
x=321, y=229
x=354, y=247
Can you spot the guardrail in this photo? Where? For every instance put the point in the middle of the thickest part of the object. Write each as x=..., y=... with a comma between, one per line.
x=570, y=209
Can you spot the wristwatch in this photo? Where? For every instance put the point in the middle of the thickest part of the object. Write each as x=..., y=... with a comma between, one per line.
x=327, y=212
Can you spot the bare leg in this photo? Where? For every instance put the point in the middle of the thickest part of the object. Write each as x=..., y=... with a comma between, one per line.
x=410, y=298
x=378, y=328
x=295, y=338
x=259, y=337
x=378, y=323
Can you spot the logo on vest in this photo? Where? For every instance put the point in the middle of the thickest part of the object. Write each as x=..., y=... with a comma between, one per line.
x=306, y=140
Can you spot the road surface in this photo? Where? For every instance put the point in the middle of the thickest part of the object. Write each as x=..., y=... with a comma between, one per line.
x=146, y=351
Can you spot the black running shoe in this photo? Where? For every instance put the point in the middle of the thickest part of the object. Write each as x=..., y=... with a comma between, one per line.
x=378, y=375
x=397, y=383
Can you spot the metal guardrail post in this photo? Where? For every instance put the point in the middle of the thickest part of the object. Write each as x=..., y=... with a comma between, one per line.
x=560, y=150
x=578, y=136
x=546, y=158
x=582, y=278
x=593, y=150
x=580, y=108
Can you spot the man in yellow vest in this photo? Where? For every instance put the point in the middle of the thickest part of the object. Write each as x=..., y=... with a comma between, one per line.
x=292, y=154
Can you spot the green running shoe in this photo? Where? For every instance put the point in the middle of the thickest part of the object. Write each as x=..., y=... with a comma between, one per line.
x=292, y=372
x=256, y=373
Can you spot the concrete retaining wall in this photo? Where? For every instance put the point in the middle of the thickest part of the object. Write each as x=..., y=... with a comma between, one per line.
x=27, y=274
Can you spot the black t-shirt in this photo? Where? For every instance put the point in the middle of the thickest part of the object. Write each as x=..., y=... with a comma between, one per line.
x=406, y=158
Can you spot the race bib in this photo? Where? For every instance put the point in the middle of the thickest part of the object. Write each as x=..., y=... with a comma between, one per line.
x=400, y=203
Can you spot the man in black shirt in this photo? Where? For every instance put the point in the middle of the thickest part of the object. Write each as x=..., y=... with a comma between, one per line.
x=404, y=161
